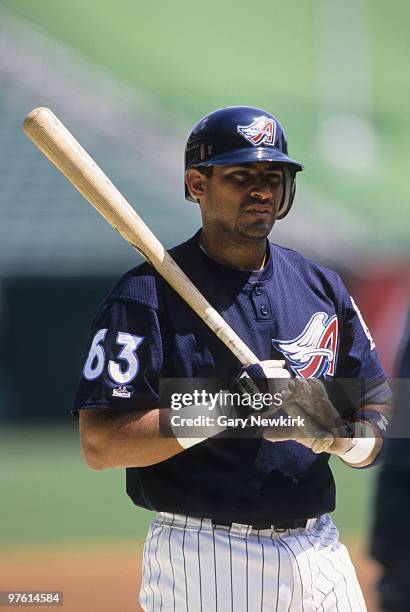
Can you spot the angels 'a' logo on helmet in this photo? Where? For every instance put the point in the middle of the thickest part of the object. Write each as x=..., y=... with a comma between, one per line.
x=260, y=131
x=313, y=352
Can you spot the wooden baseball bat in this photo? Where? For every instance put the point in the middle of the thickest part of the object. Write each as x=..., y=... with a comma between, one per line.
x=59, y=145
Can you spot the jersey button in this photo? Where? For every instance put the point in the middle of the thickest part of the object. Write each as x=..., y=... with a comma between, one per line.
x=257, y=290
x=264, y=310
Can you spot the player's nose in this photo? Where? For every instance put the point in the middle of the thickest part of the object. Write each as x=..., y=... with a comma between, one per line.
x=262, y=190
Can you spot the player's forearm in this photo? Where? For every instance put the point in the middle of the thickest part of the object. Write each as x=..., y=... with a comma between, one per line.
x=132, y=439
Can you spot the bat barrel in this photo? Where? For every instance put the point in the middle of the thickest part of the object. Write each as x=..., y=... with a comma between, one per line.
x=65, y=152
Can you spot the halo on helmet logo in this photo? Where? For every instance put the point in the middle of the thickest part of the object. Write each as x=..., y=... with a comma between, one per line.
x=260, y=131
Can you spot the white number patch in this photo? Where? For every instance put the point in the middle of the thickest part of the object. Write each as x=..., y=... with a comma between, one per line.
x=130, y=344
x=119, y=373
x=94, y=364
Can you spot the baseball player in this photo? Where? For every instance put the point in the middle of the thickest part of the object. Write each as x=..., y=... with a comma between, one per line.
x=242, y=519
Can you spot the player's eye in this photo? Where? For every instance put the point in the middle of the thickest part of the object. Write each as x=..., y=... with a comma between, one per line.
x=240, y=174
x=274, y=179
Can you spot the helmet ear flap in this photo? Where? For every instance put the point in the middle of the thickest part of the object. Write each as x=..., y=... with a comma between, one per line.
x=289, y=190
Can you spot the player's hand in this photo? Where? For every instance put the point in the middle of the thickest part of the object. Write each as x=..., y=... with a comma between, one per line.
x=267, y=377
x=310, y=396
x=323, y=429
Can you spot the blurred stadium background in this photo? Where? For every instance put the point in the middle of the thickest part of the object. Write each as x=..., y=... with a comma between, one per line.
x=129, y=79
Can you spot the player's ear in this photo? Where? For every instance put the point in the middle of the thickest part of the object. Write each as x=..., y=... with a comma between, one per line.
x=195, y=181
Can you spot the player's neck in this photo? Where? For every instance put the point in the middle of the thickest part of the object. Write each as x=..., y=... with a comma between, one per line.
x=243, y=255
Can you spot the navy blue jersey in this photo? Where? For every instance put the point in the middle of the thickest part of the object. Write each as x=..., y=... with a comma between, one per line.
x=293, y=309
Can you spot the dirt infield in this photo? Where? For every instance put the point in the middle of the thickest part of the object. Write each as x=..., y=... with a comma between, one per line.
x=106, y=577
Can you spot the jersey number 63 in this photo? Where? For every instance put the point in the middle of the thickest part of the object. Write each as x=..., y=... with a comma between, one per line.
x=121, y=373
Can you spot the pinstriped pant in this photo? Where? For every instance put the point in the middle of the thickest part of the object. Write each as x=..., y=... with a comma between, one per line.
x=189, y=566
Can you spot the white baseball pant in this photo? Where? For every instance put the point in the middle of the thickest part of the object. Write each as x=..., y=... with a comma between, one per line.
x=191, y=566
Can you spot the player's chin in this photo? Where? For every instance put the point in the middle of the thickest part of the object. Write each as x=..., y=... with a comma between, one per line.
x=254, y=230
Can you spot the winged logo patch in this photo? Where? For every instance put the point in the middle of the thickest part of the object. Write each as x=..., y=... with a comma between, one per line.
x=313, y=352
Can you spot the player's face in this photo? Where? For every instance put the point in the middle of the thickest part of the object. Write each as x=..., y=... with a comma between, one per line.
x=244, y=199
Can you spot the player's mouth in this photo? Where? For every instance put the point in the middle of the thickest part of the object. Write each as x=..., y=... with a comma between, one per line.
x=259, y=210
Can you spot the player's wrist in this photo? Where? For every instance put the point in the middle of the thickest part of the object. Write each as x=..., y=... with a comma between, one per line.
x=194, y=424
x=362, y=448
x=368, y=433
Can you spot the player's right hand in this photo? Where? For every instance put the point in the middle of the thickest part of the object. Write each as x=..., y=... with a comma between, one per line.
x=322, y=429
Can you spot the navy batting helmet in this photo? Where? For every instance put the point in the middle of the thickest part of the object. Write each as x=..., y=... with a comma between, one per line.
x=240, y=135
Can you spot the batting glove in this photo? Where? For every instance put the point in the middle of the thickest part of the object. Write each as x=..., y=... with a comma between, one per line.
x=261, y=381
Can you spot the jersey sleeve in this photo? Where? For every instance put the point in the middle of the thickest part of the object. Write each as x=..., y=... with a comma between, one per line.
x=124, y=359
x=357, y=355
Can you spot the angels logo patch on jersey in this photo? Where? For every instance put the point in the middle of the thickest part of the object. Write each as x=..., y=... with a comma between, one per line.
x=260, y=131
x=313, y=352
